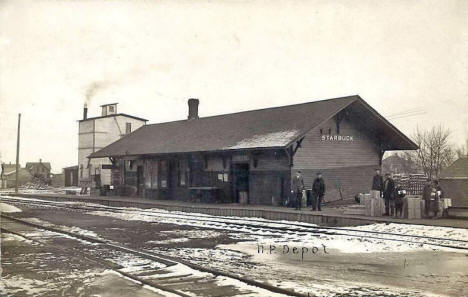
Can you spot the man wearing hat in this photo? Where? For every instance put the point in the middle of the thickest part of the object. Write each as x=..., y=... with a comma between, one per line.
x=377, y=182
x=318, y=191
x=297, y=186
x=389, y=194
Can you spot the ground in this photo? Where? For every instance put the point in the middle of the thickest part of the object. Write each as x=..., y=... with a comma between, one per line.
x=321, y=264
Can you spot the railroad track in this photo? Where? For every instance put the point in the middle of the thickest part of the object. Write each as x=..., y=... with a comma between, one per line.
x=173, y=277
x=255, y=224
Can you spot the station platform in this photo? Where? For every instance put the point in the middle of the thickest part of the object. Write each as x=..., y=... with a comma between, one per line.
x=329, y=216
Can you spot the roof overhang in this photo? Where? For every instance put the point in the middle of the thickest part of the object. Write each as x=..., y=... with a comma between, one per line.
x=390, y=138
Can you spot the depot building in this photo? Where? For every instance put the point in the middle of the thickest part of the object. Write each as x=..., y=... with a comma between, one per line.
x=251, y=156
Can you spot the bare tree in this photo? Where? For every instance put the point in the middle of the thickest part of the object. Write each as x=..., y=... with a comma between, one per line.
x=435, y=151
x=462, y=151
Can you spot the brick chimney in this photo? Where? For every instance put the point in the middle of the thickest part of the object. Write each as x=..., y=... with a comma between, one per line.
x=85, y=111
x=193, y=108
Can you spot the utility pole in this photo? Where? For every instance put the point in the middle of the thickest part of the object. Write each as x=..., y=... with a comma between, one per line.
x=17, y=152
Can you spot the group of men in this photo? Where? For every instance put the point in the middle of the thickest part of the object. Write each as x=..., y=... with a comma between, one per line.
x=432, y=195
x=393, y=195
x=297, y=191
x=391, y=191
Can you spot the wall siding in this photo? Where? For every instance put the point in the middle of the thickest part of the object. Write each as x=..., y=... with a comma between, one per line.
x=346, y=165
x=100, y=133
x=457, y=190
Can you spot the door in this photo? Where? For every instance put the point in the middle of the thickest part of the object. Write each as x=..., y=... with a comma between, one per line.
x=140, y=180
x=240, y=180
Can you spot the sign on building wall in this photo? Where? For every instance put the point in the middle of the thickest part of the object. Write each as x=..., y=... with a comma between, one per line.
x=344, y=138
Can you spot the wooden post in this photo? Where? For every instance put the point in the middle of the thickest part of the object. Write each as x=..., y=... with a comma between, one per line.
x=17, y=153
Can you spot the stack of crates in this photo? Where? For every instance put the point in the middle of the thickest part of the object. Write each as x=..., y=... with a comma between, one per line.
x=412, y=207
x=375, y=205
x=366, y=200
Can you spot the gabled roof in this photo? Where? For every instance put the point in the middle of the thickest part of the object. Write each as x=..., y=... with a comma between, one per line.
x=458, y=169
x=8, y=167
x=114, y=115
x=275, y=127
x=31, y=164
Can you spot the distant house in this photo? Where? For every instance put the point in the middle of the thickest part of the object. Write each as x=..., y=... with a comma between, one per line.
x=8, y=176
x=399, y=165
x=454, y=182
x=39, y=169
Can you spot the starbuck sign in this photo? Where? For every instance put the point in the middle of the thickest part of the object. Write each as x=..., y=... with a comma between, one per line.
x=341, y=138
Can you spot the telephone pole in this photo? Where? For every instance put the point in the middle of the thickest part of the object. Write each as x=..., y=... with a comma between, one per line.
x=17, y=152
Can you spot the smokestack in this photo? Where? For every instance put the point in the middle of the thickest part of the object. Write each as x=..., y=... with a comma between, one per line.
x=85, y=111
x=193, y=108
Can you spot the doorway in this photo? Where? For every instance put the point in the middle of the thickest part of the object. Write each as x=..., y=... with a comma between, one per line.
x=140, y=180
x=240, y=181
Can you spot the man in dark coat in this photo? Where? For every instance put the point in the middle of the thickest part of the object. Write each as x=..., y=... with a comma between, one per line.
x=297, y=186
x=438, y=195
x=427, y=193
x=377, y=182
x=389, y=194
x=318, y=191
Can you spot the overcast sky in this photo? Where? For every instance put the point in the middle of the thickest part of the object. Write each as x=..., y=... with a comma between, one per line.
x=151, y=56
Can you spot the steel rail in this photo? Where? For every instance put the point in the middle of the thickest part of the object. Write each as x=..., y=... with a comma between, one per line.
x=157, y=257
x=315, y=229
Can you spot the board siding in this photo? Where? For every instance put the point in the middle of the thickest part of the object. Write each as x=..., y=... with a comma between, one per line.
x=347, y=166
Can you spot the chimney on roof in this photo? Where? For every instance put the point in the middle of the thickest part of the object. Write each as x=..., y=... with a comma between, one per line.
x=193, y=108
x=40, y=160
x=85, y=111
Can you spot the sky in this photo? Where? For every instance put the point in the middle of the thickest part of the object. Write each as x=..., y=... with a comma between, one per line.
x=402, y=57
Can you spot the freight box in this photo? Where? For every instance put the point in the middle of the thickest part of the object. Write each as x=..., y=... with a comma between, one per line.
x=304, y=199
x=377, y=207
x=363, y=198
x=375, y=194
x=368, y=205
x=412, y=207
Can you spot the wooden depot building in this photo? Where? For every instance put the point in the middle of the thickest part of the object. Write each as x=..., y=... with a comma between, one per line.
x=251, y=156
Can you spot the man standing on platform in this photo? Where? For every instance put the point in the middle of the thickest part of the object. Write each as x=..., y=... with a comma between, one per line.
x=389, y=194
x=297, y=186
x=427, y=192
x=377, y=182
x=318, y=191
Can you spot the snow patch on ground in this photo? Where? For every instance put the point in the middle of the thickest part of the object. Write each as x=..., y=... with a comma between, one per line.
x=351, y=240
x=418, y=230
x=79, y=231
x=8, y=208
x=13, y=237
x=169, y=241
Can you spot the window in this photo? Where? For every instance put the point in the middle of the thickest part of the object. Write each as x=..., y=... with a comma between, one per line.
x=111, y=108
x=163, y=174
x=128, y=128
x=182, y=172
x=151, y=174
